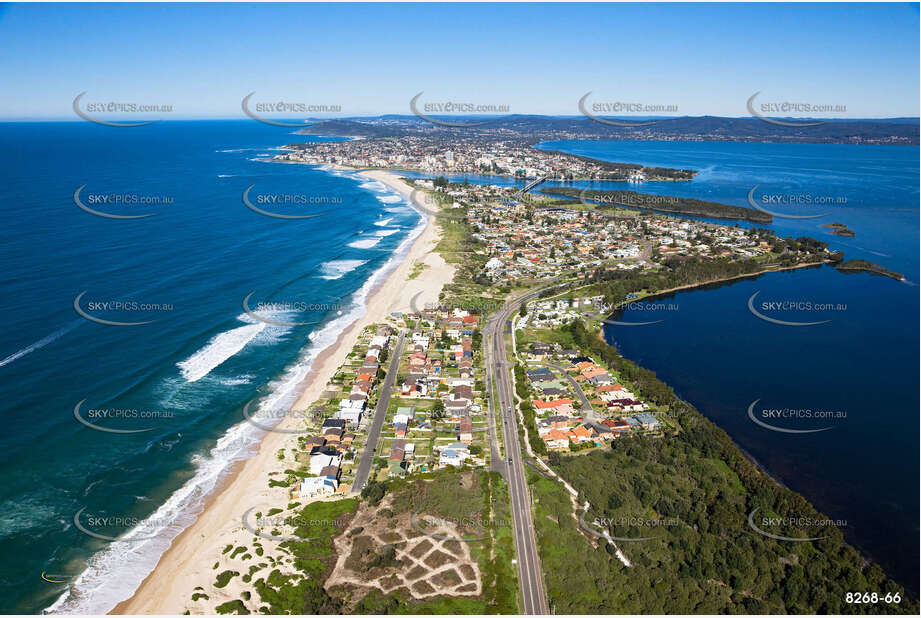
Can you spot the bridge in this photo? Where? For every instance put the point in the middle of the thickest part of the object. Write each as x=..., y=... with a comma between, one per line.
x=530, y=186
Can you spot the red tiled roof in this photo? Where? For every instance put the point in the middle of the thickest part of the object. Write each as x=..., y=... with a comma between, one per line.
x=543, y=405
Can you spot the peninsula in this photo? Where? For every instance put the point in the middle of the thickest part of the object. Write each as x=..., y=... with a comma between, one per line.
x=663, y=203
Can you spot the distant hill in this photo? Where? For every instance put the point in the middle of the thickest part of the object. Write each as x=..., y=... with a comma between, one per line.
x=903, y=131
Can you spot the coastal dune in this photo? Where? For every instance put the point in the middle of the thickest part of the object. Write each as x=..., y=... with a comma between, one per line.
x=189, y=560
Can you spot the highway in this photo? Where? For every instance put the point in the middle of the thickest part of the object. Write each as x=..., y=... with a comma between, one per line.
x=529, y=573
x=380, y=413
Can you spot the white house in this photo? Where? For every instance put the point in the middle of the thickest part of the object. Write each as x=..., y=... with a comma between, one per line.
x=452, y=457
x=349, y=415
x=319, y=461
x=320, y=486
x=352, y=404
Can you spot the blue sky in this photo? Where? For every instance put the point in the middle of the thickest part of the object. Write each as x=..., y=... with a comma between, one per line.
x=534, y=58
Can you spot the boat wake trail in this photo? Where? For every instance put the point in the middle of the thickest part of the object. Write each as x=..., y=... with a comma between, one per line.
x=40, y=343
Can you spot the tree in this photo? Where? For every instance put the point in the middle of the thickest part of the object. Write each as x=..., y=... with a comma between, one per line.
x=438, y=410
x=374, y=492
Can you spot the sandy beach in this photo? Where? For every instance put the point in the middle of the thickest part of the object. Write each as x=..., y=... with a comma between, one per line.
x=190, y=558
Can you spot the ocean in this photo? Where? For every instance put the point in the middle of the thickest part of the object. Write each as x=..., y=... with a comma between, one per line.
x=138, y=326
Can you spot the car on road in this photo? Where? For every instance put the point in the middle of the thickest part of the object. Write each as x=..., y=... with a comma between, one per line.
x=510, y=460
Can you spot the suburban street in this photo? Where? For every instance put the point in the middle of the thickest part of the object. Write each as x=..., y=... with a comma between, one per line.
x=529, y=571
x=380, y=413
x=586, y=408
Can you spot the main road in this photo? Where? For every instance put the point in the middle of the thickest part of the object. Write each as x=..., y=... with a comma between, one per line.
x=530, y=580
x=380, y=413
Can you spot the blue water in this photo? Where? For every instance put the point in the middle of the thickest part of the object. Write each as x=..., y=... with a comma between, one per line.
x=878, y=183
x=194, y=367
x=864, y=362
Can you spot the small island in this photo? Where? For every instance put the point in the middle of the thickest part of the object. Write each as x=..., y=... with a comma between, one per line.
x=839, y=229
x=665, y=204
x=852, y=266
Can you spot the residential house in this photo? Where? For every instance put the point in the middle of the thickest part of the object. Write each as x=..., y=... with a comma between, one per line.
x=400, y=425
x=332, y=433
x=331, y=472
x=457, y=407
x=404, y=414
x=320, y=461
x=414, y=387
x=465, y=430
x=318, y=486
x=556, y=406
x=453, y=456
x=556, y=438
x=358, y=400
x=362, y=387
x=540, y=374
x=555, y=422
x=618, y=426
x=462, y=391
x=627, y=405
x=583, y=433
x=601, y=430
x=600, y=379
x=647, y=421
x=351, y=416
x=314, y=441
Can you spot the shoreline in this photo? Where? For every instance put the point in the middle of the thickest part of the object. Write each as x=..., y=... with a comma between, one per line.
x=691, y=286
x=188, y=560
x=865, y=551
x=392, y=169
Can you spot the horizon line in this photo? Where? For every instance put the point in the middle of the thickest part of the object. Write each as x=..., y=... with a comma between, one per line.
x=64, y=118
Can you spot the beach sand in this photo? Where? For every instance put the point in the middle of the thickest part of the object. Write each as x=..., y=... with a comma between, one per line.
x=190, y=558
